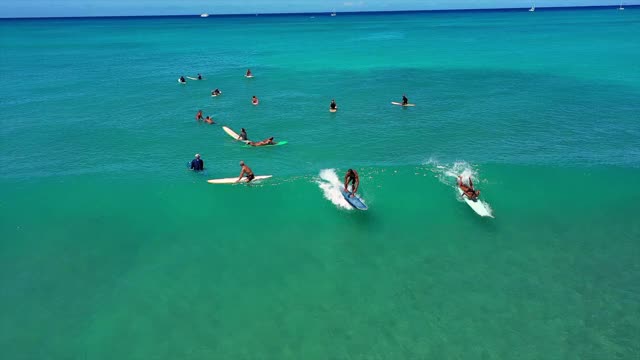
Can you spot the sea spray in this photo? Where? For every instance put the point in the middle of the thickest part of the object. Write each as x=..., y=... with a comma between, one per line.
x=330, y=185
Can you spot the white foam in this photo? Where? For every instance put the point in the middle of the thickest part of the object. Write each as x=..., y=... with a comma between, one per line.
x=330, y=185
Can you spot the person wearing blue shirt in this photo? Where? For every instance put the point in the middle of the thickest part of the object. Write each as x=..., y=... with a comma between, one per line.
x=197, y=164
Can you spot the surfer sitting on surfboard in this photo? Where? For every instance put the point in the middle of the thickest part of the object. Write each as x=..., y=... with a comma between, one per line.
x=405, y=101
x=243, y=135
x=254, y=100
x=333, y=105
x=199, y=115
x=199, y=77
x=353, y=178
x=216, y=92
x=248, y=74
x=264, y=142
x=182, y=79
x=246, y=171
x=468, y=190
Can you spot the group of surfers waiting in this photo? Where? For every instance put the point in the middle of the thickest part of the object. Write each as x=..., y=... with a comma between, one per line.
x=351, y=177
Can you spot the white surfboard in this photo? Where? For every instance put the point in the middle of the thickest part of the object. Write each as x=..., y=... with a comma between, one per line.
x=233, y=134
x=212, y=95
x=249, y=76
x=182, y=82
x=233, y=180
x=193, y=78
x=400, y=104
x=478, y=206
x=333, y=110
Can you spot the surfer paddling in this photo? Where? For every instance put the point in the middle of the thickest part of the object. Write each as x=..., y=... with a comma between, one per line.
x=468, y=190
x=264, y=142
x=246, y=171
x=353, y=178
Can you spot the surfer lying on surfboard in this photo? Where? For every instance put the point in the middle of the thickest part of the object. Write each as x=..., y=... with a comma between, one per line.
x=264, y=142
x=351, y=177
x=468, y=190
x=246, y=171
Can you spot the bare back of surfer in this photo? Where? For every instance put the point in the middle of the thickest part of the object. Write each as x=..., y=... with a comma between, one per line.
x=468, y=190
x=351, y=177
x=264, y=142
x=246, y=171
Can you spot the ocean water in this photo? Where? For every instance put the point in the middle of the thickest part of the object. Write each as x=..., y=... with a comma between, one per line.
x=111, y=249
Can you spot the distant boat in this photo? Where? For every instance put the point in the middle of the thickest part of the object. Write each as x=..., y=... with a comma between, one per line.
x=333, y=13
x=620, y=8
x=533, y=8
x=204, y=15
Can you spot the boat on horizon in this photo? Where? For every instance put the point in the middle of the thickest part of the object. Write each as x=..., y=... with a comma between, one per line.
x=204, y=15
x=333, y=13
x=621, y=7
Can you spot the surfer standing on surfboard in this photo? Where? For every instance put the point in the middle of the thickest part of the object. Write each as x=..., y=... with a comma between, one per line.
x=468, y=190
x=353, y=178
x=246, y=171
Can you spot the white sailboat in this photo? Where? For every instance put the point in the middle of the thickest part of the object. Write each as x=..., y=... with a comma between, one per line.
x=204, y=15
x=333, y=13
x=621, y=8
x=533, y=8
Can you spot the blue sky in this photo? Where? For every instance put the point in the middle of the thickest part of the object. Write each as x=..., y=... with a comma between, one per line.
x=40, y=8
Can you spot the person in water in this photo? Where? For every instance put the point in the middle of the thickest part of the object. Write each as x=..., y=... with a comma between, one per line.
x=199, y=77
x=405, y=101
x=209, y=120
x=199, y=115
x=468, y=190
x=243, y=135
x=216, y=92
x=353, y=178
x=248, y=73
x=333, y=105
x=264, y=142
x=254, y=100
x=182, y=80
x=246, y=171
x=197, y=164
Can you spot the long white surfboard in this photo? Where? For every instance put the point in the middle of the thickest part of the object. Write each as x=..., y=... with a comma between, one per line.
x=400, y=104
x=478, y=206
x=233, y=134
x=233, y=180
x=193, y=78
x=182, y=82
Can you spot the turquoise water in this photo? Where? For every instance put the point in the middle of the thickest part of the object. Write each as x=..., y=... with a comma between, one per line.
x=111, y=249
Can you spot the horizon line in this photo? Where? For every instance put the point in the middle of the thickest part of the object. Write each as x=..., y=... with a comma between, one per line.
x=497, y=9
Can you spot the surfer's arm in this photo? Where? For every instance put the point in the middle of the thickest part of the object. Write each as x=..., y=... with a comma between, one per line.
x=240, y=177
